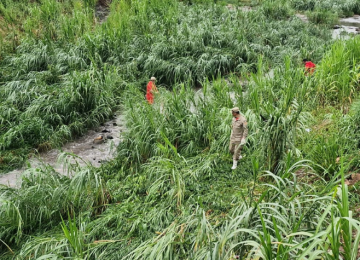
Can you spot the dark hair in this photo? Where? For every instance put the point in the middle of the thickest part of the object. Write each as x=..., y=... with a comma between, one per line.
x=305, y=60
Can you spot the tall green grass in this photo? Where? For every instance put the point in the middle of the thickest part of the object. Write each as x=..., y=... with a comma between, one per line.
x=46, y=19
x=336, y=79
x=55, y=88
x=170, y=193
x=340, y=7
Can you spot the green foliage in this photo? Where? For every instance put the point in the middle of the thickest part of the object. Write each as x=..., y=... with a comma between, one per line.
x=277, y=10
x=336, y=79
x=57, y=90
x=45, y=196
x=339, y=7
x=278, y=104
x=322, y=16
x=74, y=236
x=324, y=154
x=170, y=193
x=54, y=98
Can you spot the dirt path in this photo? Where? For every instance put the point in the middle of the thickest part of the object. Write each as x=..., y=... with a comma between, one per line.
x=95, y=154
x=102, y=10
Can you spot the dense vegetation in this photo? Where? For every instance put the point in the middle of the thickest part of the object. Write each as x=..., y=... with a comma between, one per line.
x=170, y=193
x=44, y=81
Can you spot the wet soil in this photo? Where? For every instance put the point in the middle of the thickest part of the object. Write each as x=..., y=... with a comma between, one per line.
x=84, y=148
x=102, y=10
x=344, y=29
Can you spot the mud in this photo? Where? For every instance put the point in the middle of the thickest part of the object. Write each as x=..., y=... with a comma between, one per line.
x=347, y=27
x=84, y=148
x=351, y=21
x=102, y=10
x=344, y=29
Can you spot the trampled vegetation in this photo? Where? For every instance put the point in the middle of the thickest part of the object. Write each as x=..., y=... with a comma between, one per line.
x=176, y=43
x=170, y=193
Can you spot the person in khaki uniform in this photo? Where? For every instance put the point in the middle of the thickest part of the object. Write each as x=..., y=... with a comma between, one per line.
x=238, y=135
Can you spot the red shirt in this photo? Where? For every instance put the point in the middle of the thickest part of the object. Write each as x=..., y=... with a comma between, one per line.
x=309, y=68
x=149, y=94
x=309, y=64
x=149, y=87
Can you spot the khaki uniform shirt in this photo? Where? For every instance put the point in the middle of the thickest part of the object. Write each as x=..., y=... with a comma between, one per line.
x=239, y=129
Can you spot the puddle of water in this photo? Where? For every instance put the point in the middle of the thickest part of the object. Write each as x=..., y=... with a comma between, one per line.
x=344, y=32
x=95, y=154
x=351, y=21
x=347, y=27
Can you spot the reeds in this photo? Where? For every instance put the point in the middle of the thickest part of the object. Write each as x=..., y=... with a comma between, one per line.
x=169, y=193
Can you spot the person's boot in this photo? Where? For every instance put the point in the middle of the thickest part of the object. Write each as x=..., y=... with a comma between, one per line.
x=234, y=165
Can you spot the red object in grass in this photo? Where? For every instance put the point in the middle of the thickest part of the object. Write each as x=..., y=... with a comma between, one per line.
x=309, y=67
x=149, y=94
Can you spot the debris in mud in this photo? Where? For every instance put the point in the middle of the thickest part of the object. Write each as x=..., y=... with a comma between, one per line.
x=102, y=161
x=109, y=137
x=105, y=131
x=114, y=124
x=99, y=140
x=336, y=27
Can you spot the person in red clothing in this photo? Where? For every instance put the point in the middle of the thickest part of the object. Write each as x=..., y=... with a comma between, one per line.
x=150, y=90
x=309, y=67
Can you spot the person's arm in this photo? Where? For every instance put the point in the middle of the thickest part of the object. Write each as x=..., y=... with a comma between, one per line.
x=154, y=89
x=245, y=133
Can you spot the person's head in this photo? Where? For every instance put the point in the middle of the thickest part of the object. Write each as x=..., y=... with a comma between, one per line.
x=235, y=111
x=305, y=60
x=153, y=79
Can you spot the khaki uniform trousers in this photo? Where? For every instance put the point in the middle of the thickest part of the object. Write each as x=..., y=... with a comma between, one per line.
x=235, y=149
